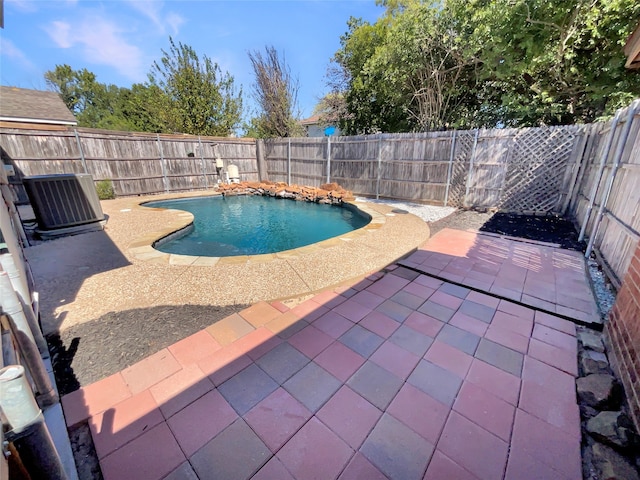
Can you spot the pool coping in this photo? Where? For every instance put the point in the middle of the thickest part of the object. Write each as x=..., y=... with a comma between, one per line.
x=143, y=247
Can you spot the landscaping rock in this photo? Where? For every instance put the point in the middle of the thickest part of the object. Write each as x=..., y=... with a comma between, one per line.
x=593, y=362
x=332, y=194
x=591, y=340
x=588, y=412
x=599, y=391
x=614, y=429
x=611, y=465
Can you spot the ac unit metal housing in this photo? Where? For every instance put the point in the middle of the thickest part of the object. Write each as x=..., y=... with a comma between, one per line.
x=64, y=203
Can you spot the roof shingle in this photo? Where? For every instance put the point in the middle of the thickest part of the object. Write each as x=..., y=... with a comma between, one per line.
x=40, y=106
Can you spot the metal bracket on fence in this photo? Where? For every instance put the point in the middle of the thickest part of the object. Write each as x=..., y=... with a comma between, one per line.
x=164, y=169
x=469, y=176
x=328, y=159
x=204, y=167
x=84, y=162
x=450, y=168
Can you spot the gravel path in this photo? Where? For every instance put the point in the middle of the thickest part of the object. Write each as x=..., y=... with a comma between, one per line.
x=429, y=213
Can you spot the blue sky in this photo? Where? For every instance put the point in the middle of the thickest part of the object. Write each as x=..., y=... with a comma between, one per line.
x=119, y=39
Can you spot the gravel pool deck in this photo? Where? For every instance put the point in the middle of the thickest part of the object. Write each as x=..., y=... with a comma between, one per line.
x=84, y=277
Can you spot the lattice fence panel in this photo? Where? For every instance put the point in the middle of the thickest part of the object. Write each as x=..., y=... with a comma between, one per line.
x=537, y=169
x=460, y=170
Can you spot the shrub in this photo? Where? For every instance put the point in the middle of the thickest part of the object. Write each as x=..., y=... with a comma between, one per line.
x=105, y=190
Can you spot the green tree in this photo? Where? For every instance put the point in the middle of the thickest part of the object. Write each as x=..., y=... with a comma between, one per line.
x=97, y=105
x=331, y=108
x=276, y=94
x=79, y=91
x=484, y=63
x=549, y=62
x=371, y=105
x=197, y=98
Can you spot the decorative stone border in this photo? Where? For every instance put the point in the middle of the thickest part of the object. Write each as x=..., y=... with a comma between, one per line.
x=142, y=248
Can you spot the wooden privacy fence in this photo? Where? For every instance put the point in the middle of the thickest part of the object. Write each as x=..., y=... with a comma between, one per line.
x=588, y=172
x=136, y=163
x=606, y=203
x=530, y=170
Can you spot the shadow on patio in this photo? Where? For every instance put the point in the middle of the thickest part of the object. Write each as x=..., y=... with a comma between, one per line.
x=400, y=375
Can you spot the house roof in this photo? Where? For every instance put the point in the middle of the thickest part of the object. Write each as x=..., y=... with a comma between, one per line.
x=33, y=106
x=632, y=49
x=312, y=120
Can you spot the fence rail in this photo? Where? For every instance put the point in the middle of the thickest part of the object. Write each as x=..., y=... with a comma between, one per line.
x=136, y=163
x=524, y=170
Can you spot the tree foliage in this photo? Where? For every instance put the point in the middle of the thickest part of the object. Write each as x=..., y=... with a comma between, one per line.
x=98, y=105
x=275, y=91
x=483, y=63
x=197, y=97
x=183, y=95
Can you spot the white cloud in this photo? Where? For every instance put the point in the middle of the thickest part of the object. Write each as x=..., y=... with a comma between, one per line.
x=152, y=9
x=59, y=33
x=25, y=6
x=101, y=42
x=175, y=21
x=9, y=50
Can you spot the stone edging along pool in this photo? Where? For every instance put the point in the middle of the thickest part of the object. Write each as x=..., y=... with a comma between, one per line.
x=142, y=248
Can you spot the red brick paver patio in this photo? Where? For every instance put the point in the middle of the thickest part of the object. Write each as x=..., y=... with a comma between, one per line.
x=401, y=376
x=536, y=274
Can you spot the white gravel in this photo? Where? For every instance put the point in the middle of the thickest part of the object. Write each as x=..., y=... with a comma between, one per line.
x=429, y=213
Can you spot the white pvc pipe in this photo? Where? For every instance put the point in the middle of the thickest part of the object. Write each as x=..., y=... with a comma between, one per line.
x=21, y=288
x=9, y=235
x=596, y=181
x=617, y=157
x=29, y=432
x=11, y=306
x=16, y=398
x=31, y=359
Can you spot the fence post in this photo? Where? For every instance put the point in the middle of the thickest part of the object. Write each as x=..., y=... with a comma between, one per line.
x=289, y=161
x=598, y=177
x=616, y=164
x=164, y=170
x=204, y=167
x=328, y=159
x=379, y=168
x=450, y=168
x=263, y=172
x=469, y=176
x=84, y=162
x=579, y=151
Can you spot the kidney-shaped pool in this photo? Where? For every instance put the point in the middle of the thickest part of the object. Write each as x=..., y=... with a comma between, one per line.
x=254, y=225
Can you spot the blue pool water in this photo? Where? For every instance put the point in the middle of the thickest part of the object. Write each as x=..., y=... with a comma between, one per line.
x=247, y=225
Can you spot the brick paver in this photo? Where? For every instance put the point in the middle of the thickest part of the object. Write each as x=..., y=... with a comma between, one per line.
x=400, y=376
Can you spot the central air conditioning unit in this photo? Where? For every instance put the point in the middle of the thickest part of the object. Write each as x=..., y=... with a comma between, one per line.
x=64, y=204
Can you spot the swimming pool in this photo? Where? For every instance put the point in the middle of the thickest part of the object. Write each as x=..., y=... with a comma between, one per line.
x=254, y=225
